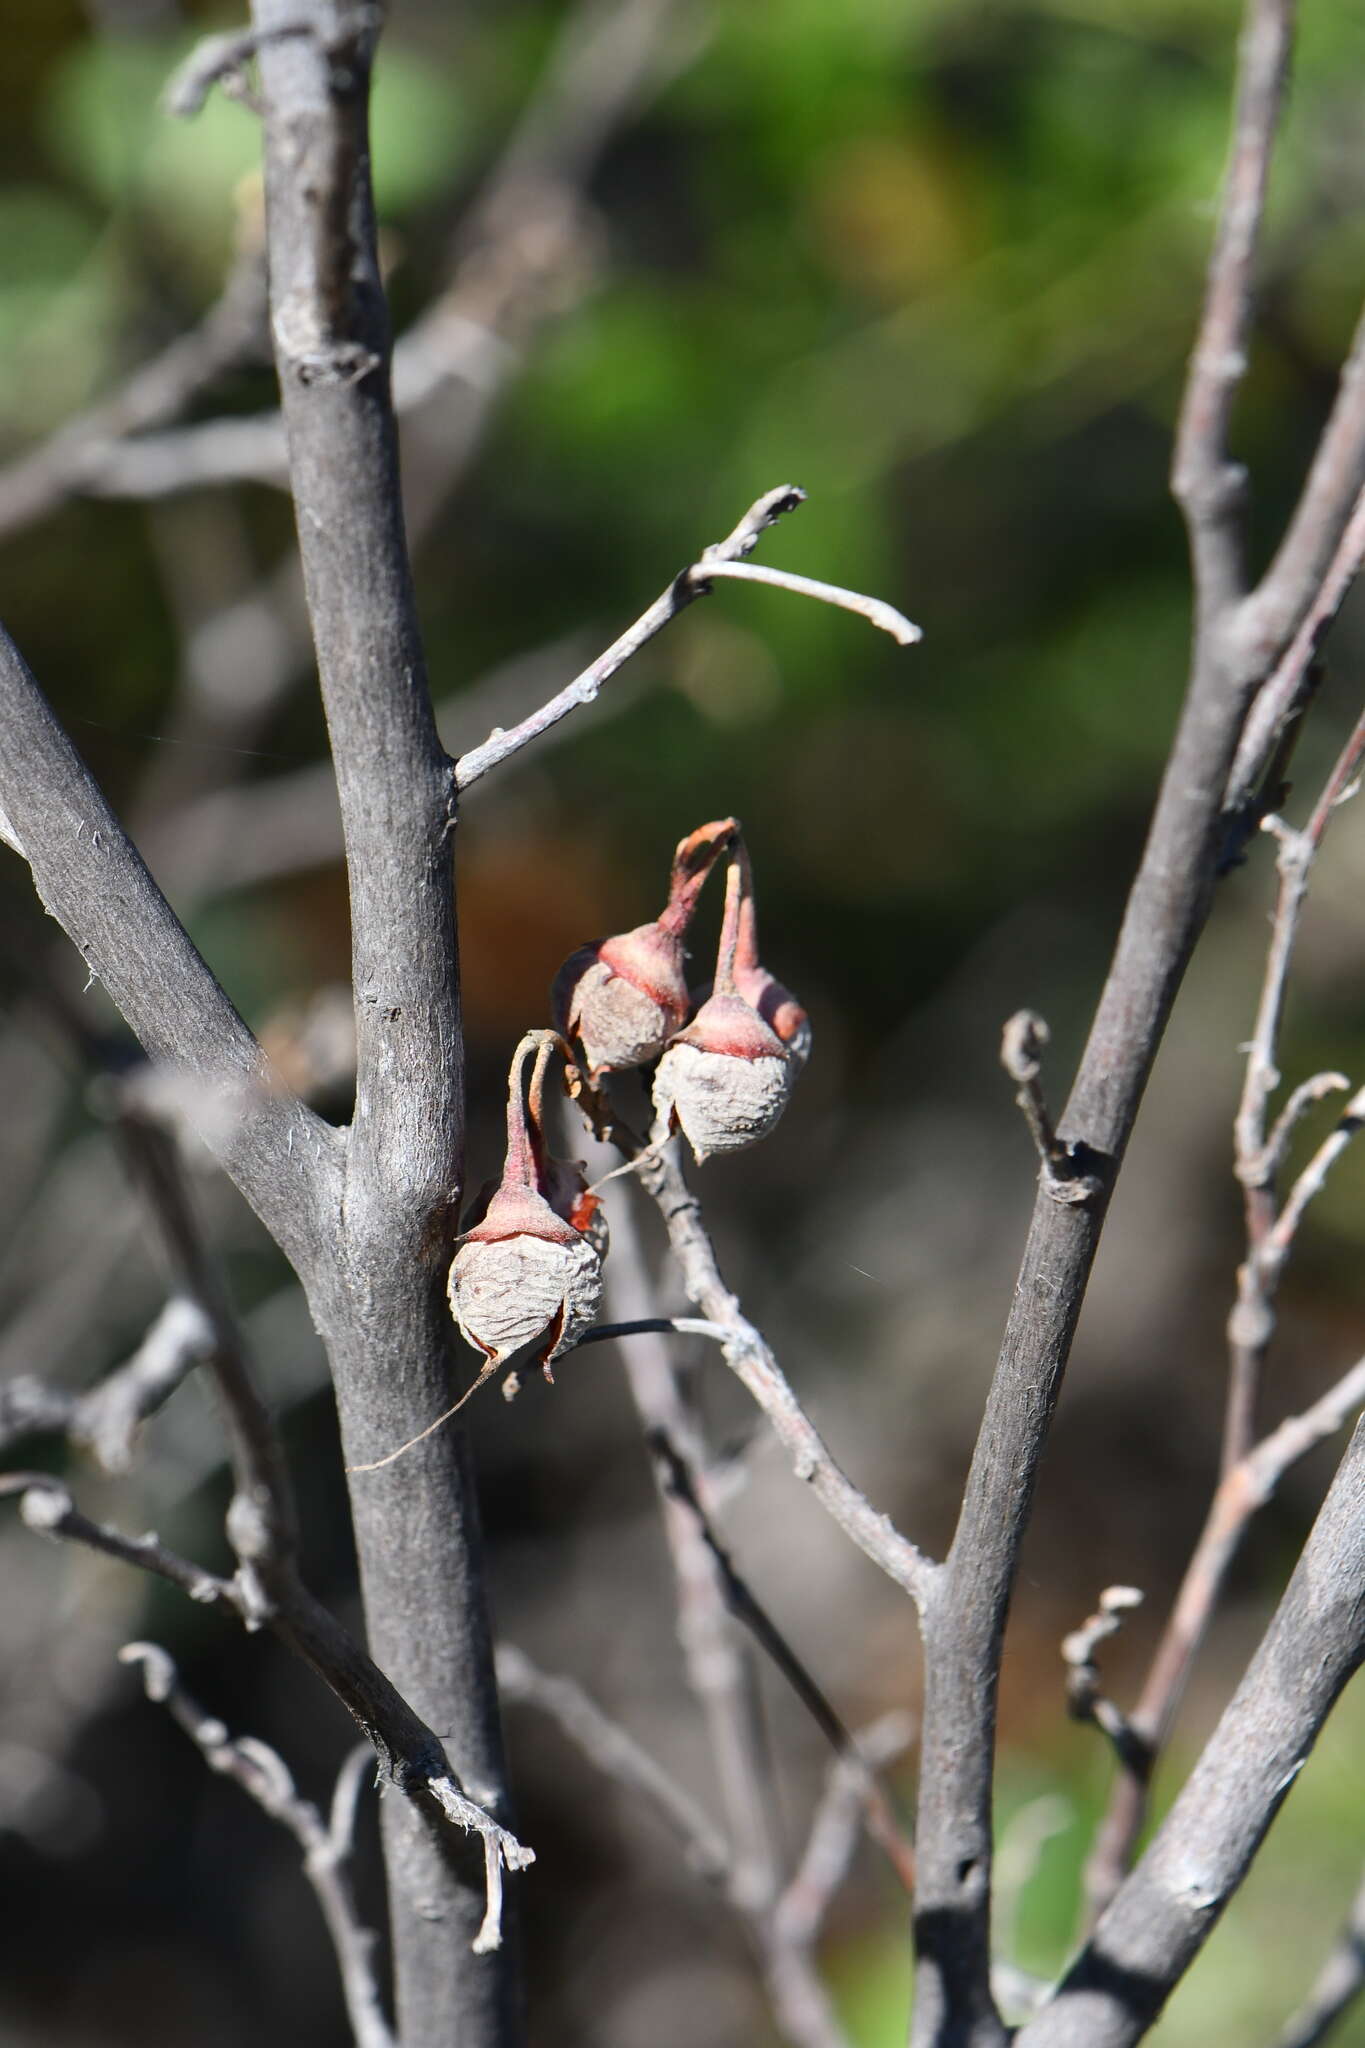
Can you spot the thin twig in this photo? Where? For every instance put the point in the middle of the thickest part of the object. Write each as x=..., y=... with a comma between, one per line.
x=107, y=1417
x=265, y=1777
x=754, y=1365
x=836, y=1827
x=1207, y=484
x=48, y=1508
x=720, y=1668
x=1166, y=1908
x=1066, y=1171
x=1085, y=1701
x=681, y=592
x=723, y=558
x=883, y=616
x=881, y=1821
x=1243, y=1490
x=1280, y=701
x=616, y=1753
x=81, y=453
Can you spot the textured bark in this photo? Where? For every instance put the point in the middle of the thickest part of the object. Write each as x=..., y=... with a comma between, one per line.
x=380, y=1308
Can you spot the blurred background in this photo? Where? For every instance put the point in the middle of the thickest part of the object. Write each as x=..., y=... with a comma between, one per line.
x=940, y=265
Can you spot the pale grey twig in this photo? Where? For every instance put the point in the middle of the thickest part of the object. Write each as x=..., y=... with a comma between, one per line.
x=49, y=1510
x=882, y=1824
x=752, y=1361
x=723, y=558
x=1168, y=1905
x=218, y=60
x=875, y=610
x=84, y=455
x=264, y=1776
x=1085, y=1701
x=682, y=591
x=837, y=1826
x=616, y=1753
x=1282, y=698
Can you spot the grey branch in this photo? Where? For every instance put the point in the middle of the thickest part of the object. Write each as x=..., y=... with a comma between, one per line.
x=681, y=592
x=377, y=1296
x=612, y=1750
x=723, y=558
x=86, y=454
x=94, y=882
x=107, y=1417
x=1165, y=1910
x=739, y=1598
x=1271, y=1228
x=219, y=60
x=49, y=1510
x=836, y=1827
x=1208, y=486
x=1283, y=697
x=264, y=1776
x=751, y=1360
x=1084, y=1698
x=1238, y=641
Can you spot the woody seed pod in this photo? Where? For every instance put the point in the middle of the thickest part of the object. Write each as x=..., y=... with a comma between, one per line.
x=621, y=999
x=525, y=1281
x=724, y=1081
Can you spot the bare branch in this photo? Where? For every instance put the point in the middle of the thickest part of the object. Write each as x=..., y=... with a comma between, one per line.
x=681, y=592
x=1208, y=486
x=883, y=616
x=219, y=60
x=1337, y=1986
x=94, y=882
x=881, y=1821
x=85, y=454
x=1281, y=700
x=753, y=1363
x=380, y=1301
x=836, y=1828
x=1291, y=591
x=1085, y=1701
x=1165, y=1910
x=263, y=1776
x=616, y=1753
x=1244, y=1488
x=1066, y=1173
x=48, y=1509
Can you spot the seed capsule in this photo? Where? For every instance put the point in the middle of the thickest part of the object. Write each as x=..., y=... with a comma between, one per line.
x=621, y=999
x=725, y=1079
x=526, y=1280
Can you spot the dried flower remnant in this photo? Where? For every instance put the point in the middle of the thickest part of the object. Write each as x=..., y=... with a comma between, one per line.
x=777, y=1006
x=724, y=1081
x=526, y=1281
x=621, y=999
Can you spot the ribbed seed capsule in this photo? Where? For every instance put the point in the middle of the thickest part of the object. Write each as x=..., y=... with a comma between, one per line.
x=526, y=1281
x=725, y=1079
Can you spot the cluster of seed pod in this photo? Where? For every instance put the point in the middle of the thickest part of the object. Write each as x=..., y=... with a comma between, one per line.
x=526, y=1281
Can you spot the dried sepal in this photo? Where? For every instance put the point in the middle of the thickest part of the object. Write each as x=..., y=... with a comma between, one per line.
x=724, y=1080
x=526, y=1279
x=621, y=999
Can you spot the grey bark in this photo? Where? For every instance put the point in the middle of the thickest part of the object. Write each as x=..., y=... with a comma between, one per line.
x=381, y=1307
x=1170, y=1904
